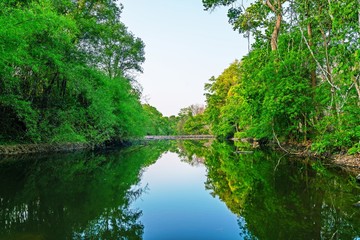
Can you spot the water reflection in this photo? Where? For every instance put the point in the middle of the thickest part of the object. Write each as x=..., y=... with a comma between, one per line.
x=92, y=195
x=177, y=206
x=73, y=196
x=282, y=198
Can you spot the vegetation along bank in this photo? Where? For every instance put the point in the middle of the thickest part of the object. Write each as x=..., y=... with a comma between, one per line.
x=300, y=82
x=66, y=72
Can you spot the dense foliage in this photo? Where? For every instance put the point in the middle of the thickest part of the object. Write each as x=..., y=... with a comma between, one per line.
x=190, y=121
x=159, y=124
x=65, y=72
x=301, y=79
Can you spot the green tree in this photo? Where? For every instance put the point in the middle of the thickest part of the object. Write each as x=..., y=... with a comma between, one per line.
x=65, y=72
x=308, y=89
x=191, y=120
x=217, y=92
x=158, y=124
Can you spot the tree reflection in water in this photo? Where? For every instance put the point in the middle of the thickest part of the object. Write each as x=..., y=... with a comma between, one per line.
x=88, y=196
x=277, y=196
x=280, y=197
x=74, y=196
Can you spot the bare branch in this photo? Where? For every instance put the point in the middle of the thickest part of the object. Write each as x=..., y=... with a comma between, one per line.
x=324, y=71
x=268, y=3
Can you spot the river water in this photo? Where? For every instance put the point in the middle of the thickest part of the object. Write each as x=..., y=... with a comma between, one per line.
x=175, y=190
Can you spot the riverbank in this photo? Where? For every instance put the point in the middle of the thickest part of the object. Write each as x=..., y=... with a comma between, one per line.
x=179, y=137
x=16, y=149
x=42, y=148
x=345, y=161
x=349, y=162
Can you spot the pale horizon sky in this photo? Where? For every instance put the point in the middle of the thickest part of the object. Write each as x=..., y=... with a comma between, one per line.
x=184, y=47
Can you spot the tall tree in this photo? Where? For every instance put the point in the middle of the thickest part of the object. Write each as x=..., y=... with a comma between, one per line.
x=253, y=17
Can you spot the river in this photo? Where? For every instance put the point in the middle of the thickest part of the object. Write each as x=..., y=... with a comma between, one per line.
x=175, y=190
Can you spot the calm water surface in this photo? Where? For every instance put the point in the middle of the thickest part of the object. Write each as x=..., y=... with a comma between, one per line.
x=176, y=204
x=175, y=190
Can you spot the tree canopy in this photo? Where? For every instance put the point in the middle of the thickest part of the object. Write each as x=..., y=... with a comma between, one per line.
x=65, y=72
x=299, y=82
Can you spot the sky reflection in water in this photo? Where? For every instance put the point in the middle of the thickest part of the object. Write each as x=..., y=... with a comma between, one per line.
x=176, y=204
x=162, y=190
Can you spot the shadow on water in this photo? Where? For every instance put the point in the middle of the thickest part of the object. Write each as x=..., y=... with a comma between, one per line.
x=74, y=196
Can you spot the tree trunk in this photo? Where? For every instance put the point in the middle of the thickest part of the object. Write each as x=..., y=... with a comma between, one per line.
x=335, y=106
x=357, y=86
x=312, y=64
x=278, y=13
x=275, y=34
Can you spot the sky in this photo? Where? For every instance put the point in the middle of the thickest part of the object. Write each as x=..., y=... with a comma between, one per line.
x=184, y=47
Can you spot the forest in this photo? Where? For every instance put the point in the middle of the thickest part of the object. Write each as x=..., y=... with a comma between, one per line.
x=67, y=74
x=300, y=81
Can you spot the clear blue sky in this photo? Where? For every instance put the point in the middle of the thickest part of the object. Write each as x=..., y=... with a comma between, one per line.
x=185, y=46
